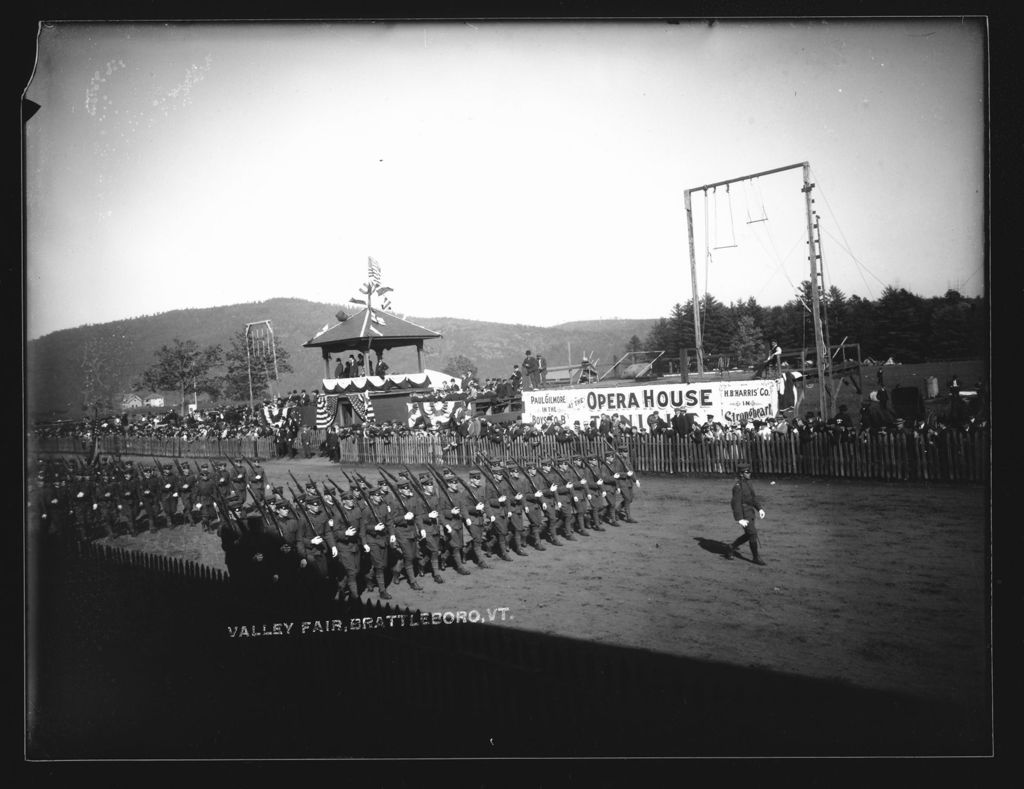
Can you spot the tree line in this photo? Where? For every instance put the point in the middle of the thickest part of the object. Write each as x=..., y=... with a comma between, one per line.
x=909, y=328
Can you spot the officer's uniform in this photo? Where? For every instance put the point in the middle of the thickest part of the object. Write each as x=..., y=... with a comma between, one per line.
x=745, y=507
x=348, y=519
x=530, y=513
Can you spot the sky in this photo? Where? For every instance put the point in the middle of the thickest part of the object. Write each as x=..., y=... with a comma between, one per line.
x=529, y=173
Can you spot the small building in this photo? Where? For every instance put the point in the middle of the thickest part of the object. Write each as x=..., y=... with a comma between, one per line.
x=154, y=401
x=131, y=401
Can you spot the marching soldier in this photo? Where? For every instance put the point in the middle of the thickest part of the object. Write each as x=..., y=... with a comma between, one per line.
x=187, y=494
x=537, y=510
x=562, y=513
x=347, y=540
x=530, y=512
x=408, y=518
x=149, y=492
x=376, y=536
x=626, y=481
x=515, y=510
x=499, y=512
x=745, y=506
x=475, y=515
x=453, y=523
x=206, y=494
x=590, y=494
x=430, y=527
x=168, y=494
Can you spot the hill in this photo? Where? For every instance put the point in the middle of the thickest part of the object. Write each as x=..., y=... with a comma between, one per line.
x=55, y=363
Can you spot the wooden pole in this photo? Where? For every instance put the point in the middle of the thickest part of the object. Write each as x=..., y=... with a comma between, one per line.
x=824, y=360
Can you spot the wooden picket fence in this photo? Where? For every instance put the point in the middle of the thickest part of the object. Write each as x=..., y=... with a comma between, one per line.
x=953, y=457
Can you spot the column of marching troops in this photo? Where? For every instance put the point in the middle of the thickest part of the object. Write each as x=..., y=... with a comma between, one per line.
x=330, y=539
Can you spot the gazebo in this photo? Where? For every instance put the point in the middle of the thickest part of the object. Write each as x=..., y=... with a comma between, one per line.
x=370, y=330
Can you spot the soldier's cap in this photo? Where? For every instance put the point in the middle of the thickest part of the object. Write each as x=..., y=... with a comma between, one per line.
x=404, y=483
x=741, y=467
x=447, y=472
x=474, y=475
x=546, y=462
x=278, y=491
x=346, y=495
x=378, y=491
x=531, y=465
x=402, y=475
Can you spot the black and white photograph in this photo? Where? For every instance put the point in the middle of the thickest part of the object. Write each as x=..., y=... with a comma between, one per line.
x=477, y=388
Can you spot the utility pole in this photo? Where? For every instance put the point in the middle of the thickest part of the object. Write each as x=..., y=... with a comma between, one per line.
x=824, y=364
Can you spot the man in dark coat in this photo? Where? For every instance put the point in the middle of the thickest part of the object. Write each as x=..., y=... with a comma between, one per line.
x=745, y=506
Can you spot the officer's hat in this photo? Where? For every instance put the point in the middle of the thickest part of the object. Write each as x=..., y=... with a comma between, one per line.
x=741, y=467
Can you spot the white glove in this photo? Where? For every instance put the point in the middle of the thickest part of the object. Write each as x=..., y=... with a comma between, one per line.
x=576, y=498
x=480, y=506
x=519, y=497
x=330, y=522
x=167, y=486
x=302, y=562
x=198, y=506
x=409, y=516
x=615, y=476
x=558, y=505
x=589, y=497
x=432, y=514
x=743, y=522
x=392, y=539
x=175, y=494
x=379, y=527
x=334, y=551
x=80, y=495
x=493, y=519
x=448, y=528
x=317, y=540
x=554, y=488
x=629, y=473
x=501, y=499
x=366, y=547
x=423, y=533
x=760, y=514
x=599, y=482
x=538, y=495
x=94, y=506
x=543, y=506
x=456, y=511
x=469, y=521
x=350, y=531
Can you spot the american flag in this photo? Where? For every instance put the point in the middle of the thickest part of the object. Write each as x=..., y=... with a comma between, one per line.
x=373, y=268
x=326, y=410
x=363, y=406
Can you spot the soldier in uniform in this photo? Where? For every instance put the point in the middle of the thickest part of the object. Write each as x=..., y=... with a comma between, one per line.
x=571, y=494
x=206, y=494
x=377, y=532
x=589, y=489
x=626, y=481
x=168, y=494
x=80, y=496
x=187, y=494
x=516, y=530
x=499, y=510
x=474, y=513
x=745, y=506
x=346, y=536
x=530, y=512
x=430, y=527
x=408, y=512
x=560, y=510
x=453, y=522
x=541, y=513
x=149, y=491
x=313, y=548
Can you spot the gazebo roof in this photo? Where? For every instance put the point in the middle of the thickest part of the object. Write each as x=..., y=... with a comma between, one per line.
x=370, y=328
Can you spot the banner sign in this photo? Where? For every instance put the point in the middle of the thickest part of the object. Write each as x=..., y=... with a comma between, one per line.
x=725, y=401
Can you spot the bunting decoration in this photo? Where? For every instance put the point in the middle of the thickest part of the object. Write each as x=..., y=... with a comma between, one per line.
x=362, y=405
x=326, y=410
x=273, y=416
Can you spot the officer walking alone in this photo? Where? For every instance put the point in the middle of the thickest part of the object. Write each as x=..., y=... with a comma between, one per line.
x=745, y=506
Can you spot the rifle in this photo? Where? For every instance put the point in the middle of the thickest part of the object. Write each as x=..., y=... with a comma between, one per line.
x=265, y=511
x=399, y=498
x=227, y=514
x=414, y=483
x=298, y=484
x=511, y=487
x=442, y=483
x=298, y=506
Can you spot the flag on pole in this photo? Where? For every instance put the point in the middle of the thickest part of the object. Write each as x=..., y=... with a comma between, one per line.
x=373, y=268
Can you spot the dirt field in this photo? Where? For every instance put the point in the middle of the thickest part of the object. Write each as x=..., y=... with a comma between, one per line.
x=880, y=585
